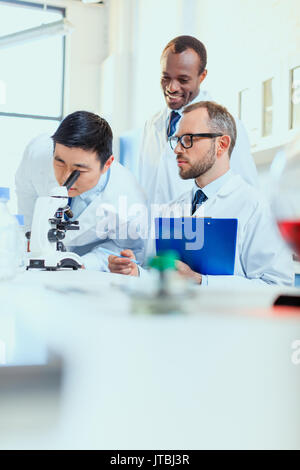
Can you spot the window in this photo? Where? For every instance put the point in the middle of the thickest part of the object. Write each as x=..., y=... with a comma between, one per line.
x=31, y=83
x=295, y=98
x=267, y=107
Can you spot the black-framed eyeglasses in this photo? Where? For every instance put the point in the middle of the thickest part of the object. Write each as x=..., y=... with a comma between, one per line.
x=186, y=140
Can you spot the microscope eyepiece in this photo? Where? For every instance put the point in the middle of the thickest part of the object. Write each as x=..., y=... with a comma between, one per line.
x=72, y=178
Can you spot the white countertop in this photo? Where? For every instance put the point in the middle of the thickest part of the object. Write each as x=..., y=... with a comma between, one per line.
x=220, y=376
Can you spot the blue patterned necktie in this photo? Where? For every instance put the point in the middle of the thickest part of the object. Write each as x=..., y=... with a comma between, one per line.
x=199, y=198
x=174, y=118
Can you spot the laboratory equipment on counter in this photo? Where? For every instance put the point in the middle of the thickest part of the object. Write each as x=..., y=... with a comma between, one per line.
x=49, y=227
x=285, y=171
x=8, y=238
x=167, y=291
x=21, y=243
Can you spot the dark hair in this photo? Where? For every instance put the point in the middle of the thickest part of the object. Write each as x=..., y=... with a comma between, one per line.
x=220, y=120
x=182, y=43
x=87, y=131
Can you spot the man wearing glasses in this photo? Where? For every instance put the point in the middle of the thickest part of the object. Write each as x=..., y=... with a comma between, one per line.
x=203, y=145
x=183, y=69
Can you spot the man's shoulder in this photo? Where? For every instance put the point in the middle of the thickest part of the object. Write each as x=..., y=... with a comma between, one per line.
x=181, y=203
x=123, y=181
x=39, y=148
x=157, y=118
x=118, y=169
x=250, y=197
x=237, y=185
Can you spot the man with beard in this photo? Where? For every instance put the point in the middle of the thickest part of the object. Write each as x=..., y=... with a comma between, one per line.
x=183, y=69
x=203, y=145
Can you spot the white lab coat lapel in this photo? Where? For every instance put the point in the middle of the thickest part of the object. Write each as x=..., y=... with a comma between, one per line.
x=50, y=180
x=167, y=170
x=159, y=181
x=44, y=177
x=158, y=169
x=226, y=190
x=180, y=207
x=160, y=124
x=185, y=200
x=164, y=170
x=104, y=206
x=87, y=223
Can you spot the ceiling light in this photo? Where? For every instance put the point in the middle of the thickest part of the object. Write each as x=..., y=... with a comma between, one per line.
x=61, y=27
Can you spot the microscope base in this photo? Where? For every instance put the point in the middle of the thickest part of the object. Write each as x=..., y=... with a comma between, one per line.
x=54, y=262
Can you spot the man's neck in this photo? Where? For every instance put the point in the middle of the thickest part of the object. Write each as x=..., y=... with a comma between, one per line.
x=211, y=175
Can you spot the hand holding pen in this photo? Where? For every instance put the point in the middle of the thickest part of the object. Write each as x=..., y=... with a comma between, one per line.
x=124, y=264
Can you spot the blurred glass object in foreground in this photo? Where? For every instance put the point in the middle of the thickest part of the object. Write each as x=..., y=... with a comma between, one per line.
x=285, y=173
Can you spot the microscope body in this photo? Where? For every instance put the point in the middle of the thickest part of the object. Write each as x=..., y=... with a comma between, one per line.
x=48, y=229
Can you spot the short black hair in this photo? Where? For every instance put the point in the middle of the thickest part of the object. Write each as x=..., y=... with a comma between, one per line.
x=182, y=43
x=87, y=131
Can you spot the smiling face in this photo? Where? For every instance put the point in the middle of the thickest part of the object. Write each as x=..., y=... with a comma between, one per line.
x=180, y=78
x=68, y=159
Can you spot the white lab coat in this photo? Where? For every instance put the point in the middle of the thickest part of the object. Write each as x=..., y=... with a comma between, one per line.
x=158, y=170
x=261, y=255
x=105, y=221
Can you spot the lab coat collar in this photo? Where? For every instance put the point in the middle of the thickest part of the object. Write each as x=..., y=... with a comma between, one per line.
x=230, y=184
x=212, y=188
x=100, y=205
x=89, y=195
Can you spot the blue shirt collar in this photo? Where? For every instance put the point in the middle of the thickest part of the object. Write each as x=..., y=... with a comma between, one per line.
x=89, y=195
x=212, y=188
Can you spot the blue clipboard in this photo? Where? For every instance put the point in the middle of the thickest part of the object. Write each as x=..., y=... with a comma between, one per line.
x=207, y=245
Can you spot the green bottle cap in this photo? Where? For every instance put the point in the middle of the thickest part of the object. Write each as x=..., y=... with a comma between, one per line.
x=164, y=260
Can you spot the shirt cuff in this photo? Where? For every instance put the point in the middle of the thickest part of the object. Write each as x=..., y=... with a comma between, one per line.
x=93, y=262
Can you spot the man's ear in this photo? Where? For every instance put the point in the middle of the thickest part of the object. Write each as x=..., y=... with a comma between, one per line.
x=107, y=164
x=202, y=76
x=223, y=144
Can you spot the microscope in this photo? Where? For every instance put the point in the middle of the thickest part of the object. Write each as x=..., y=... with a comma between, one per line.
x=49, y=227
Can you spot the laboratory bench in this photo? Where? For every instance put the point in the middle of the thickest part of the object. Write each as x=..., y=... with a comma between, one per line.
x=81, y=370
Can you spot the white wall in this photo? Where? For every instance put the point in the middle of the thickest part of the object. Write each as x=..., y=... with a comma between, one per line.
x=118, y=78
x=113, y=55
x=139, y=30
x=86, y=48
x=248, y=41
x=158, y=22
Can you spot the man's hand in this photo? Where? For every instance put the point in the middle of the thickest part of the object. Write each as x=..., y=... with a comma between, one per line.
x=123, y=266
x=186, y=271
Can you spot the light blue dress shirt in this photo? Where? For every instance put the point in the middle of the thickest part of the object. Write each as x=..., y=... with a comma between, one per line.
x=79, y=203
x=210, y=190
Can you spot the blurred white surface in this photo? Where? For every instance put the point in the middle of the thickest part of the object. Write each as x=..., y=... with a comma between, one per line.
x=218, y=377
